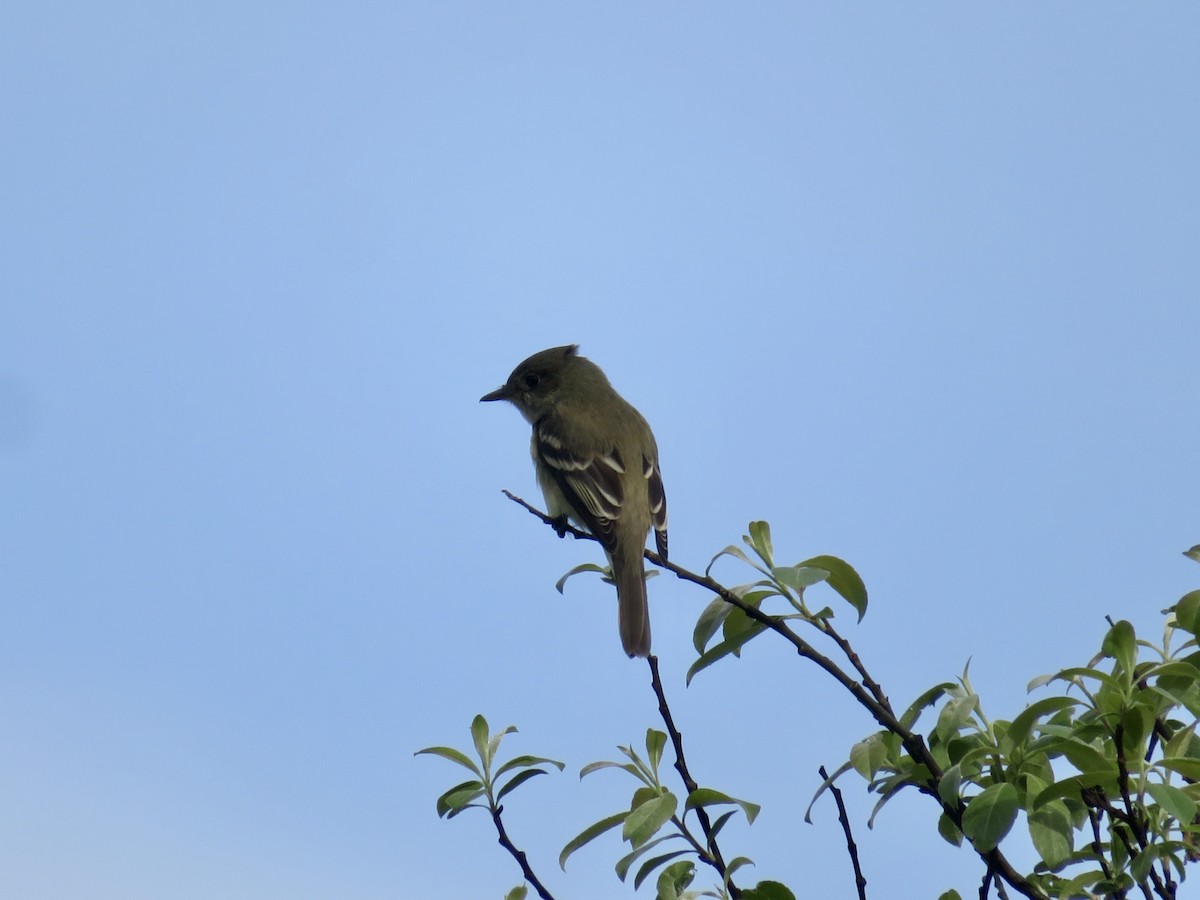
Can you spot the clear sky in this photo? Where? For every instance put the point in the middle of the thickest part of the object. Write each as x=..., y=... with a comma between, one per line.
x=918, y=283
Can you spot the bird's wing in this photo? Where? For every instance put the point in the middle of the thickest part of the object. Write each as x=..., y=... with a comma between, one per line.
x=658, y=503
x=591, y=484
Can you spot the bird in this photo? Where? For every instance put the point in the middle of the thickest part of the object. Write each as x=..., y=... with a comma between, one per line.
x=596, y=462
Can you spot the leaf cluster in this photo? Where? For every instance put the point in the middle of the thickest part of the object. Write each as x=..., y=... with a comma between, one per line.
x=653, y=822
x=738, y=627
x=485, y=790
x=1105, y=773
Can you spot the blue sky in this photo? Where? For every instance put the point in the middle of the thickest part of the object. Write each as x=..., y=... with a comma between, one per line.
x=918, y=284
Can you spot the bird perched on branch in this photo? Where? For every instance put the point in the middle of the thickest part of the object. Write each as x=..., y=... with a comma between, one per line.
x=597, y=464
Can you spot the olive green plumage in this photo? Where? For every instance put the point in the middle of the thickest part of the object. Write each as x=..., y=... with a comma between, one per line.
x=597, y=463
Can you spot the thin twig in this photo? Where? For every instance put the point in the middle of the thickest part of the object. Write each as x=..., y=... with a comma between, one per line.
x=1093, y=804
x=860, y=882
x=880, y=711
x=844, y=645
x=712, y=855
x=518, y=855
x=1136, y=824
x=691, y=839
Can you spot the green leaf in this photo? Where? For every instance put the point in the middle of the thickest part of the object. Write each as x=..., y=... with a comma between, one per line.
x=738, y=862
x=799, y=577
x=459, y=798
x=868, y=756
x=453, y=755
x=720, y=610
x=1082, y=756
x=643, y=769
x=844, y=580
x=520, y=892
x=479, y=734
x=737, y=553
x=760, y=542
x=949, y=831
x=889, y=789
x=843, y=768
x=1039, y=774
x=1183, y=743
x=950, y=785
x=1136, y=724
x=607, y=764
x=1052, y=833
x=1074, y=673
x=735, y=623
x=1121, y=644
x=1080, y=884
x=1179, y=682
x=644, y=795
x=589, y=834
x=720, y=821
x=723, y=649
x=708, y=797
x=967, y=752
x=519, y=762
x=1181, y=673
x=710, y=620
x=655, y=742
x=1187, y=612
x=1040, y=681
x=1022, y=726
x=1036, y=782
x=623, y=864
x=1193, y=553
x=494, y=743
x=950, y=895
x=990, y=815
x=768, y=890
x=930, y=697
x=1174, y=801
x=1141, y=864
x=651, y=864
x=517, y=780
x=1072, y=786
x=674, y=880
x=643, y=822
x=584, y=567
x=954, y=715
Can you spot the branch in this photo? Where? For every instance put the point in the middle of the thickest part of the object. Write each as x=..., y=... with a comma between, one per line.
x=860, y=882
x=712, y=855
x=1093, y=799
x=1134, y=820
x=869, y=699
x=844, y=645
x=518, y=855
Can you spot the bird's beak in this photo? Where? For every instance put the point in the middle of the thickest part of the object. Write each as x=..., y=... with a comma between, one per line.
x=500, y=393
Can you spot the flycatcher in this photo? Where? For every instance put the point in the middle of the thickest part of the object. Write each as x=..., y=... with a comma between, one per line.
x=597, y=463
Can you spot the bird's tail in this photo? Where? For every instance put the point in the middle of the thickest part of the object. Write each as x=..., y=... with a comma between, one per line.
x=633, y=613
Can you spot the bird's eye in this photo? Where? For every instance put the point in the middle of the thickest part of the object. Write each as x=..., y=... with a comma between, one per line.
x=532, y=379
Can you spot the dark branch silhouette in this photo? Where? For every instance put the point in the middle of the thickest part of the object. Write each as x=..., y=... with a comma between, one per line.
x=860, y=881
x=518, y=855
x=710, y=853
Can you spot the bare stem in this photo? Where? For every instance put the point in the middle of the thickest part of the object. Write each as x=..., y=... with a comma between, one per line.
x=518, y=855
x=711, y=854
x=860, y=881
